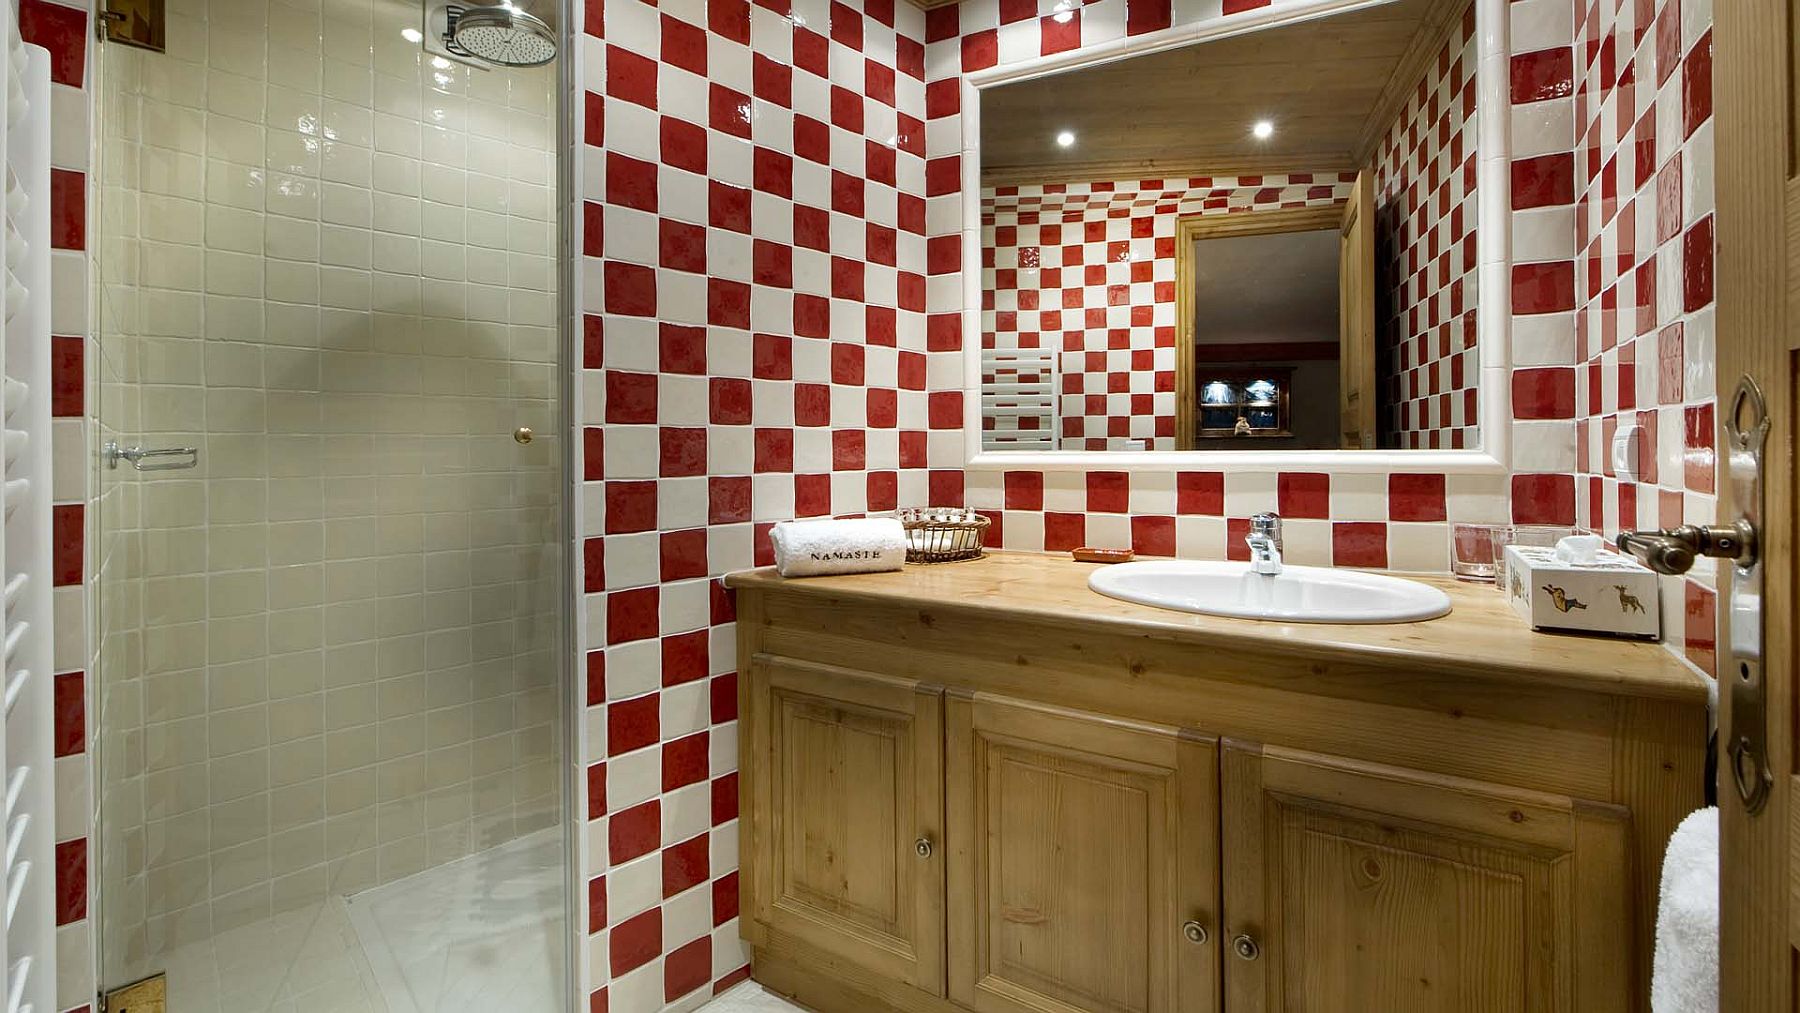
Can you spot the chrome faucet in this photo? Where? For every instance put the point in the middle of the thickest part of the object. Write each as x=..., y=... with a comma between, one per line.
x=1264, y=540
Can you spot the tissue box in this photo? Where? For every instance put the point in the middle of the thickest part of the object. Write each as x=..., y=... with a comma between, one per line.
x=1614, y=594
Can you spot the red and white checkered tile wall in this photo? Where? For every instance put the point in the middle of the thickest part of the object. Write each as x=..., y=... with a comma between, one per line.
x=755, y=348
x=1088, y=269
x=61, y=27
x=1425, y=256
x=770, y=302
x=1643, y=342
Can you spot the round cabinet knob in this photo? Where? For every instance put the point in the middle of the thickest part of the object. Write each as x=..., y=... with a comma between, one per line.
x=1193, y=932
x=522, y=434
x=1246, y=948
x=922, y=847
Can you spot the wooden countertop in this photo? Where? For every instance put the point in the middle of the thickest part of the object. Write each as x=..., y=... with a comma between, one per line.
x=1481, y=637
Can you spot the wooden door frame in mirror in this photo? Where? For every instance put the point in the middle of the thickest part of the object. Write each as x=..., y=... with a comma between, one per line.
x=1493, y=270
x=1190, y=229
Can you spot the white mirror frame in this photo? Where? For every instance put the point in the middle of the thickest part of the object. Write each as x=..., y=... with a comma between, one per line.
x=1493, y=326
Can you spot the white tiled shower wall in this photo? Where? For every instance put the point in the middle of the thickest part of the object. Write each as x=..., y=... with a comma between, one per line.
x=328, y=262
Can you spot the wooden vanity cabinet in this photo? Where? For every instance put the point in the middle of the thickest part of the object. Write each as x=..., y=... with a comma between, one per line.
x=952, y=806
x=845, y=811
x=1083, y=861
x=1351, y=887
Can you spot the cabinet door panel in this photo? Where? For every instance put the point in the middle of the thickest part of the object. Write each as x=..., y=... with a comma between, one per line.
x=1364, y=888
x=849, y=780
x=1079, y=847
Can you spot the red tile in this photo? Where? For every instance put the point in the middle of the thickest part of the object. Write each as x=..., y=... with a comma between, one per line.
x=687, y=968
x=1060, y=33
x=1153, y=536
x=1143, y=16
x=1416, y=498
x=683, y=45
x=1359, y=543
x=1698, y=448
x=1024, y=490
x=980, y=50
x=681, y=349
x=1543, y=181
x=630, y=289
x=1697, y=266
x=69, y=703
x=1696, y=85
x=681, y=247
x=1543, y=393
x=1671, y=364
x=632, y=615
x=686, y=657
x=68, y=210
x=1545, y=74
x=682, y=451
x=67, y=376
x=1543, y=499
x=596, y=904
x=630, y=77
x=596, y=678
x=596, y=790
x=684, y=761
x=729, y=401
x=1200, y=492
x=722, y=692
x=66, y=537
x=635, y=941
x=1108, y=492
x=1303, y=494
x=71, y=880
x=61, y=30
x=593, y=564
x=633, y=724
x=630, y=507
x=729, y=19
x=683, y=554
x=725, y=898
x=1240, y=6
x=725, y=799
x=685, y=865
x=1063, y=532
x=1543, y=288
x=1701, y=625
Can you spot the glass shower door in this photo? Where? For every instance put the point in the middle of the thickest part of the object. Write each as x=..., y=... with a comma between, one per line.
x=330, y=678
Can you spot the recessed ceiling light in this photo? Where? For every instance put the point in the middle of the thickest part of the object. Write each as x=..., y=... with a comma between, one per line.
x=1263, y=130
x=1065, y=139
x=412, y=34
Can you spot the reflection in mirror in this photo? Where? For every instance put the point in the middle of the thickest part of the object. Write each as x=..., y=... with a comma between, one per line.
x=1261, y=242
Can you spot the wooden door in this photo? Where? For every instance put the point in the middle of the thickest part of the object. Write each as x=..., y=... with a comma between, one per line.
x=1357, y=394
x=845, y=806
x=1351, y=888
x=1083, y=866
x=1757, y=181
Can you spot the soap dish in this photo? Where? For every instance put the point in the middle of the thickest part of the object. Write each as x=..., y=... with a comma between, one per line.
x=943, y=534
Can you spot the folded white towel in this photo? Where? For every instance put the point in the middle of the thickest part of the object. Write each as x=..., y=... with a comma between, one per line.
x=859, y=545
x=1685, y=975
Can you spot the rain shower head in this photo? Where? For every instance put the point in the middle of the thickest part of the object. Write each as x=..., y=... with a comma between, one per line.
x=505, y=35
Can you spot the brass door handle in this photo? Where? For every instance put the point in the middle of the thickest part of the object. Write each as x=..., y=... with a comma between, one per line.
x=522, y=435
x=1193, y=932
x=922, y=847
x=1245, y=947
x=1673, y=550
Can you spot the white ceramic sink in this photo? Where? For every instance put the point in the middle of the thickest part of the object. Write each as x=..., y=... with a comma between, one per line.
x=1298, y=594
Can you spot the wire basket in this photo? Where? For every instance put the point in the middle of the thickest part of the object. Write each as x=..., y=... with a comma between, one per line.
x=943, y=534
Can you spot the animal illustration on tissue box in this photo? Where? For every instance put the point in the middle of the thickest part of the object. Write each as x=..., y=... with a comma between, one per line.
x=1612, y=594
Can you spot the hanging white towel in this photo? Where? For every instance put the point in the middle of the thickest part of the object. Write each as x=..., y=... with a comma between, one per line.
x=860, y=545
x=1685, y=975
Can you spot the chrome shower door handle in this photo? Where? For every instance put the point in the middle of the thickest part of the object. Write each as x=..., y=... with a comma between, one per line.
x=113, y=453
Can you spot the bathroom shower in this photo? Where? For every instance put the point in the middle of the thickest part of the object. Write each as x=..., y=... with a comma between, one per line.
x=504, y=34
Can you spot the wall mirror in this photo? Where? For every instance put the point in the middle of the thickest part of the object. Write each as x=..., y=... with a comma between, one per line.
x=1237, y=239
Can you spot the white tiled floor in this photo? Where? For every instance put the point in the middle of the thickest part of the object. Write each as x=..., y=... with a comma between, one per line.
x=477, y=935
x=750, y=998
